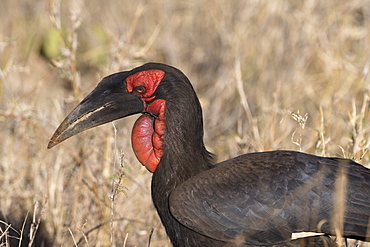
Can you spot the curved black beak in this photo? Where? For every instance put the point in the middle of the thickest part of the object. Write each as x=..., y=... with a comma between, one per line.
x=107, y=102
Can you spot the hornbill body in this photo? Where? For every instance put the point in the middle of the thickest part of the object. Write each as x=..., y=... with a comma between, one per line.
x=256, y=199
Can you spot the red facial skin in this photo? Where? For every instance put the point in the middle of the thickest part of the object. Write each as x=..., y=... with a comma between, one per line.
x=145, y=83
x=148, y=132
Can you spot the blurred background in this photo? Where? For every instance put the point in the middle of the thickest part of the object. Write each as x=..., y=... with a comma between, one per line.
x=269, y=74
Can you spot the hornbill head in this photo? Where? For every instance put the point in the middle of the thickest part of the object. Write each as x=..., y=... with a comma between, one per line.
x=149, y=89
x=109, y=101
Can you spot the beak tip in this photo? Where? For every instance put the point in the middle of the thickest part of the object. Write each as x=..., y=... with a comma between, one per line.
x=52, y=143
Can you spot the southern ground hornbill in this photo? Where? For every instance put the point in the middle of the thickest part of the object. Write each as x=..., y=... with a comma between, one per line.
x=256, y=199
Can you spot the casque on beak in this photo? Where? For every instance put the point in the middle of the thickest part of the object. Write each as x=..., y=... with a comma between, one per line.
x=107, y=102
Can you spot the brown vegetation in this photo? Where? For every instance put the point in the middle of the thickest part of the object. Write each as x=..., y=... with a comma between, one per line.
x=269, y=74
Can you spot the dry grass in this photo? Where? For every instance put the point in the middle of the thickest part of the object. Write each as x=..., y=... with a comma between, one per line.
x=258, y=66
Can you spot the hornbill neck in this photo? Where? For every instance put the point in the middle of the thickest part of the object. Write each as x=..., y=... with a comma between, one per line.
x=184, y=155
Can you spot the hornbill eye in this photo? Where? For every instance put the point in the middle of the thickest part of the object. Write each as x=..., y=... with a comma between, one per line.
x=140, y=89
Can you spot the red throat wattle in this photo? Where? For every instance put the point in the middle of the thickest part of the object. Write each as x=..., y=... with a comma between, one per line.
x=149, y=129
